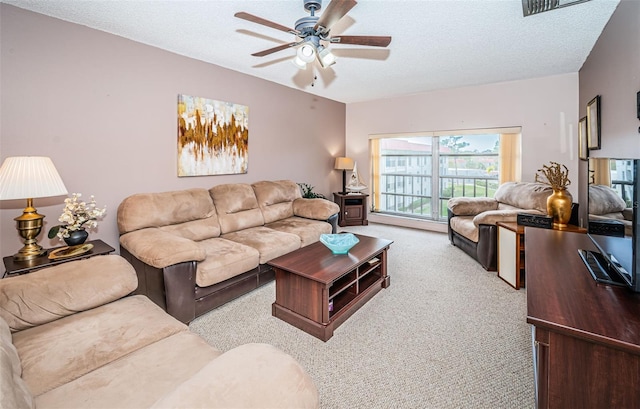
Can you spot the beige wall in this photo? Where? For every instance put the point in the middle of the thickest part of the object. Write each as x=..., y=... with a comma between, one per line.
x=104, y=109
x=612, y=71
x=545, y=108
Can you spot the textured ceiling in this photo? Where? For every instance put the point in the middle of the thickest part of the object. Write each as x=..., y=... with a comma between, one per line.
x=436, y=43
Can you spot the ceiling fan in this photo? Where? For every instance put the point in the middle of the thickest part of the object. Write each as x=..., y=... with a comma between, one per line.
x=314, y=32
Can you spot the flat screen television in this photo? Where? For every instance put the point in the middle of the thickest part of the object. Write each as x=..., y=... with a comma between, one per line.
x=613, y=221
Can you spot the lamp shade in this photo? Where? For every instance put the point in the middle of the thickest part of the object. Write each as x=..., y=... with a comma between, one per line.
x=27, y=177
x=326, y=57
x=299, y=63
x=306, y=53
x=344, y=163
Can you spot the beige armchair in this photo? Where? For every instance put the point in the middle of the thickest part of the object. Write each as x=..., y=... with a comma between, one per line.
x=472, y=220
x=608, y=212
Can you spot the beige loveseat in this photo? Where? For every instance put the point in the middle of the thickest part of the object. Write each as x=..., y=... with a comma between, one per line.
x=197, y=249
x=70, y=337
x=472, y=220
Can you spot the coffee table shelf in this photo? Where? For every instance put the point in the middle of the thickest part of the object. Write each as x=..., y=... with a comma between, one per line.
x=317, y=291
x=355, y=282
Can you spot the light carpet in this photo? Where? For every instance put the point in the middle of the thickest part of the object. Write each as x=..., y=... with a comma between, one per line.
x=445, y=334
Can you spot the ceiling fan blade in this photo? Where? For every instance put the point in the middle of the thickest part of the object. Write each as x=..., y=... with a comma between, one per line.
x=273, y=50
x=375, y=41
x=260, y=20
x=334, y=12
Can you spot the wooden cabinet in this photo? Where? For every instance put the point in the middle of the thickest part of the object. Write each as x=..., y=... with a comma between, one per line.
x=511, y=253
x=353, y=209
x=511, y=249
x=586, y=335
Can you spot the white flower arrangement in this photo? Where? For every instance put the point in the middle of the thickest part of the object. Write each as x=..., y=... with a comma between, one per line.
x=77, y=215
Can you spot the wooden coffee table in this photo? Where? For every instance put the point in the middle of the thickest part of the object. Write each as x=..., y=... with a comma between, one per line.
x=317, y=290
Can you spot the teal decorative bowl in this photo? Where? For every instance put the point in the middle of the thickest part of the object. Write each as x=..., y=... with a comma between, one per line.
x=339, y=243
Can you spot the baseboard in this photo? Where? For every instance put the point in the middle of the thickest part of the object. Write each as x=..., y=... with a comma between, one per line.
x=401, y=221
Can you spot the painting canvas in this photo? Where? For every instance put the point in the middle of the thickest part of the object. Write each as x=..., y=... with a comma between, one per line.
x=213, y=137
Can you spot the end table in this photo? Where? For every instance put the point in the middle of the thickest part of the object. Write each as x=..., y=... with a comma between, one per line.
x=353, y=209
x=14, y=268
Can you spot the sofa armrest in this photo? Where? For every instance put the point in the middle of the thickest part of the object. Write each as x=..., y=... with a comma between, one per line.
x=506, y=215
x=249, y=376
x=45, y=295
x=487, y=249
x=471, y=206
x=317, y=209
x=159, y=248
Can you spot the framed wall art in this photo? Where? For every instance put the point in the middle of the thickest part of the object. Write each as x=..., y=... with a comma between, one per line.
x=593, y=123
x=583, y=151
x=213, y=137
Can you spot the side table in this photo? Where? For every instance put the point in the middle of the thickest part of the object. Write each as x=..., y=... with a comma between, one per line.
x=353, y=209
x=511, y=266
x=14, y=268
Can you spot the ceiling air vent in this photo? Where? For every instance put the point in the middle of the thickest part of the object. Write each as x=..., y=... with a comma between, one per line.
x=530, y=7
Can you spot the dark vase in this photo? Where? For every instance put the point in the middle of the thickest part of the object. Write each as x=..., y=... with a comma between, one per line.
x=76, y=237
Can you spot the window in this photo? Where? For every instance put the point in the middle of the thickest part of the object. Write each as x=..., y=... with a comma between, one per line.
x=416, y=174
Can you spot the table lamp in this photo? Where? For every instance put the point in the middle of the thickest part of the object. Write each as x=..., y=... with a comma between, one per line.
x=344, y=164
x=26, y=177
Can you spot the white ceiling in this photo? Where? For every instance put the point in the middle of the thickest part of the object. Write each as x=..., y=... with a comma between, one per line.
x=436, y=44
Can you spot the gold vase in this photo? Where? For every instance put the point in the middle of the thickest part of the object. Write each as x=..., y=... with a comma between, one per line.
x=559, y=207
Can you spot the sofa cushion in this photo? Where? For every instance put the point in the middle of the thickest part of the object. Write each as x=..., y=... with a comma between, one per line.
x=524, y=195
x=308, y=230
x=49, y=294
x=603, y=200
x=137, y=379
x=237, y=207
x=275, y=198
x=470, y=206
x=162, y=209
x=66, y=349
x=464, y=226
x=269, y=243
x=196, y=230
x=14, y=393
x=225, y=259
x=249, y=376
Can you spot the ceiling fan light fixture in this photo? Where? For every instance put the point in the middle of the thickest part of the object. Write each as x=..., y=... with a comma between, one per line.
x=299, y=63
x=306, y=53
x=326, y=57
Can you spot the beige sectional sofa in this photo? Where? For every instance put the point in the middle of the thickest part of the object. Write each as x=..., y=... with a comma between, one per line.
x=71, y=337
x=195, y=249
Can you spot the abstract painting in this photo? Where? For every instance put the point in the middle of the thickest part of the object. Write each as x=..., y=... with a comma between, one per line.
x=213, y=137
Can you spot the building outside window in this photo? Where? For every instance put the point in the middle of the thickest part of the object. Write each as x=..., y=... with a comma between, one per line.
x=414, y=175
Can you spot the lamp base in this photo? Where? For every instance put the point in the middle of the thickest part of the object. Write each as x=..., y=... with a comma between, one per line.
x=29, y=225
x=29, y=252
